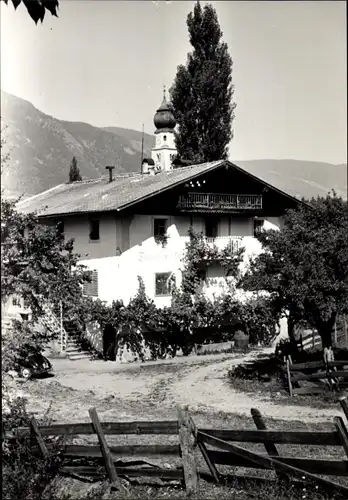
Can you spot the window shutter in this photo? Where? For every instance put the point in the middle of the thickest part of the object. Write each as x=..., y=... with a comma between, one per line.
x=91, y=288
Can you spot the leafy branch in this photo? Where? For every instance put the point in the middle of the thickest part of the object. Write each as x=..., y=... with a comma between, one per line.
x=37, y=8
x=199, y=256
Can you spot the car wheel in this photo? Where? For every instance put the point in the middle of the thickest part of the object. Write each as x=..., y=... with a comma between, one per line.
x=25, y=373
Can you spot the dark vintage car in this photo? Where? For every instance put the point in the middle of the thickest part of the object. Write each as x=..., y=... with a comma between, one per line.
x=32, y=365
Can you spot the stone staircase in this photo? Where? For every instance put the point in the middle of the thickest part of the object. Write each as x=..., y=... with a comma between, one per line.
x=71, y=335
x=75, y=347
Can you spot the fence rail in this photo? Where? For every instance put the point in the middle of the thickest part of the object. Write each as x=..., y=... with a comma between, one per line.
x=111, y=428
x=332, y=375
x=217, y=447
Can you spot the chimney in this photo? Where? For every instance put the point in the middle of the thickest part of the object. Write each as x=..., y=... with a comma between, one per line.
x=110, y=173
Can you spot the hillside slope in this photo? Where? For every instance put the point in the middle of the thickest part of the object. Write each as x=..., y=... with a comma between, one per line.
x=41, y=148
x=300, y=178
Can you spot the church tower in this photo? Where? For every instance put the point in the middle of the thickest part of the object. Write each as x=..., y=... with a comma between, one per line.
x=164, y=151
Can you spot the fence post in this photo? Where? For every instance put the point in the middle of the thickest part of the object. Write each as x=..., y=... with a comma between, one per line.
x=342, y=432
x=61, y=325
x=289, y=376
x=201, y=445
x=186, y=451
x=109, y=464
x=269, y=445
x=36, y=434
x=344, y=405
x=335, y=338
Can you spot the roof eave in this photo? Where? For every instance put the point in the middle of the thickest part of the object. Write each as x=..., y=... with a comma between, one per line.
x=222, y=163
x=216, y=166
x=175, y=184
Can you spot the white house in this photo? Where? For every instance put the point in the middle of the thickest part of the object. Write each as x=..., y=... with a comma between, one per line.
x=125, y=226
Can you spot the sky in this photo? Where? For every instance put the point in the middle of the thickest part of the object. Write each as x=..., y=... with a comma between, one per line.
x=105, y=63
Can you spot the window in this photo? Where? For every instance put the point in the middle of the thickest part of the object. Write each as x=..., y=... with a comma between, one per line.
x=160, y=227
x=164, y=284
x=164, y=138
x=90, y=286
x=25, y=317
x=158, y=156
x=258, y=225
x=94, y=230
x=211, y=227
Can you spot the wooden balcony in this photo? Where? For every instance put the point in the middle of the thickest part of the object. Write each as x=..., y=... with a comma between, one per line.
x=213, y=202
x=232, y=243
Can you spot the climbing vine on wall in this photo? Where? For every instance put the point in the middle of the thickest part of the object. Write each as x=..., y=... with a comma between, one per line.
x=192, y=317
x=199, y=256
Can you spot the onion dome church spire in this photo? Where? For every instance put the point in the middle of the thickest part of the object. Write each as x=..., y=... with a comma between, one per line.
x=164, y=119
x=164, y=151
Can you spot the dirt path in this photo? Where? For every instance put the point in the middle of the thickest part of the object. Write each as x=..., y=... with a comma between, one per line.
x=210, y=389
x=153, y=389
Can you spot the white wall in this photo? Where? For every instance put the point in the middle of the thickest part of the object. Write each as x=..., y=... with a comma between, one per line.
x=140, y=255
x=117, y=275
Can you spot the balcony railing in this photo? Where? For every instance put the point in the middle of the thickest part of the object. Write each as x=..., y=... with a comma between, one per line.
x=232, y=243
x=221, y=202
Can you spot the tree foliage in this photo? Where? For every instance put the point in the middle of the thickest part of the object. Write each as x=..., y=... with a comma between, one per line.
x=41, y=268
x=305, y=265
x=37, y=8
x=38, y=264
x=202, y=92
x=74, y=171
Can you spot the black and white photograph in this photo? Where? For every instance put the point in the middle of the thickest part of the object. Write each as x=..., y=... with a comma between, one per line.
x=174, y=249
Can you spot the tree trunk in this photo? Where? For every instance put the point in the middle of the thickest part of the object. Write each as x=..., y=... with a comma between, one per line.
x=291, y=329
x=325, y=330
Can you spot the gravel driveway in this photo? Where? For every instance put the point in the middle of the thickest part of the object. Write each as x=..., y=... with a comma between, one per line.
x=153, y=389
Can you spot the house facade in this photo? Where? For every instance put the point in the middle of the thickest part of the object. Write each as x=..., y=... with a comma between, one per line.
x=125, y=226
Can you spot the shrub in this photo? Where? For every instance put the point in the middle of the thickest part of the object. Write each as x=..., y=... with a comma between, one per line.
x=25, y=474
x=260, y=369
x=20, y=338
x=286, y=347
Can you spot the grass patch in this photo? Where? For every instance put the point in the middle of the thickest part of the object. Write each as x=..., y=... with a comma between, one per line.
x=238, y=489
x=274, y=389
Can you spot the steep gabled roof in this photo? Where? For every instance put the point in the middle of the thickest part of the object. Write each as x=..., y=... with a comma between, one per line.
x=100, y=195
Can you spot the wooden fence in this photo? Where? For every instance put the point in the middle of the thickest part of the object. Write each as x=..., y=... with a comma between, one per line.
x=323, y=376
x=309, y=339
x=215, y=446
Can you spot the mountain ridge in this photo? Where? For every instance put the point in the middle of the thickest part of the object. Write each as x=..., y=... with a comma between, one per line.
x=41, y=148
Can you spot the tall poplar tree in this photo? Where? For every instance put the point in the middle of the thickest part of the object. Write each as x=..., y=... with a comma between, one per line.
x=202, y=91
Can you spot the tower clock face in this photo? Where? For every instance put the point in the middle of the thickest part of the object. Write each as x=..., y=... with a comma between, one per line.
x=158, y=141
